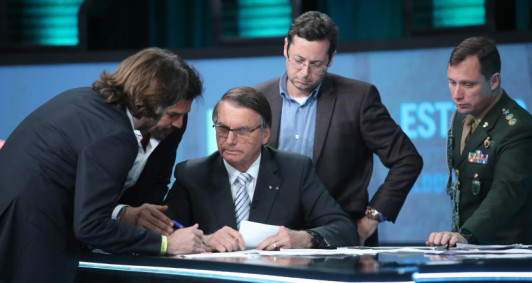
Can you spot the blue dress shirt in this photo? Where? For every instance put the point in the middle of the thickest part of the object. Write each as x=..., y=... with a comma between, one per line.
x=298, y=120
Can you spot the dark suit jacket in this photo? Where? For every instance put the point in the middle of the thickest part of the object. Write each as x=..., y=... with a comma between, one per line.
x=61, y=172
x=501, y=211
x=152, y=185
x=202, y=194
x=351, y=125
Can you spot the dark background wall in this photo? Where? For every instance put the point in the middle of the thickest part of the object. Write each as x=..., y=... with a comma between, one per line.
x=76, y=30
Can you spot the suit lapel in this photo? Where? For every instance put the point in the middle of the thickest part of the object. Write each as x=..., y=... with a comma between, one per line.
x=221, y=197
x=266, y=189
x=325, y=107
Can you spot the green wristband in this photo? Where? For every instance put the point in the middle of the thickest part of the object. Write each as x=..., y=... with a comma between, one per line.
x=164, y=245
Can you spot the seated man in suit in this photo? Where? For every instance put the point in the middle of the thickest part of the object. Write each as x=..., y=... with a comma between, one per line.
x=245, y=179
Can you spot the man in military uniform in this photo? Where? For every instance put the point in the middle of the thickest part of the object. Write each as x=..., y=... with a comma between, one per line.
x=489, y=148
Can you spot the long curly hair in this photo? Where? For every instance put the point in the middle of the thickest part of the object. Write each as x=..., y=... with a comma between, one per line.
x=151, y=78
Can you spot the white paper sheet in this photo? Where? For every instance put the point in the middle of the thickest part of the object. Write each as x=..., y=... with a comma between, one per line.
x=254, y=233
x=240, y=254
x=428, y=251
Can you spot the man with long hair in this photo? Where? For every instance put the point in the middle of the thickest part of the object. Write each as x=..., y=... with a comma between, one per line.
x=64, y=167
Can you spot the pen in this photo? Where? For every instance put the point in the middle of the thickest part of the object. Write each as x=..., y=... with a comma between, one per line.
x=179, y=226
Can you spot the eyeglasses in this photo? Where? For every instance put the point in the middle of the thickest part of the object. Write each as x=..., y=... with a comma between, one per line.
x=316, y=68
x=241, y=134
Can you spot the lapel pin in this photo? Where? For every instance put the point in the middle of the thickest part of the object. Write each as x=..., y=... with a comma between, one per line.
x=485, y=124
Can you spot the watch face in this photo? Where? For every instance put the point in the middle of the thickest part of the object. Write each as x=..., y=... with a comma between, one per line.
x=316, y=239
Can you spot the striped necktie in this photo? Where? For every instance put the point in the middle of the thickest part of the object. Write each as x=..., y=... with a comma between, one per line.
x=242, y=199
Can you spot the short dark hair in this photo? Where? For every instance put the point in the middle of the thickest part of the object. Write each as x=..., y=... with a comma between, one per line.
x=148, y=79
x=313, y=25
x=484, y=49
x=248, y=97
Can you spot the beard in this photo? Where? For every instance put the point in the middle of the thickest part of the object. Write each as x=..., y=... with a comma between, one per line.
x=160, y=133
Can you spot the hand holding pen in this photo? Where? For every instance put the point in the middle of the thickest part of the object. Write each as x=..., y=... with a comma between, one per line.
x=226, y=239
x=178, y=225
x=186, y=241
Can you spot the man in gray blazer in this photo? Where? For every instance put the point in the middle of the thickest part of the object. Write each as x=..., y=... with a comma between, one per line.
x=280, y=188
x=63, y=168
x=340, y=123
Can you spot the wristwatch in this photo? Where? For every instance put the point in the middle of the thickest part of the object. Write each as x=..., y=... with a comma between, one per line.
x=121, y=212
x=471, y=239
x=317, y=240
x=373, y=214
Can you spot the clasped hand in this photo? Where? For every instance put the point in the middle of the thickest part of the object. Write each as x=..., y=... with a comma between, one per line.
x=445, y=238
x=228, y=240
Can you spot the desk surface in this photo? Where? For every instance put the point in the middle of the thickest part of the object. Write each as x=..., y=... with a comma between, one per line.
x=383, y=267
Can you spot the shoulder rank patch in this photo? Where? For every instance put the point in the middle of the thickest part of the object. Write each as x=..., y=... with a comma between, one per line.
x=509, y=116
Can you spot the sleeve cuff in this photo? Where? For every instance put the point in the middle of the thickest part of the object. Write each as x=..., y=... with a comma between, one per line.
x=114, y=215
x=471, y=239
x=374, y=214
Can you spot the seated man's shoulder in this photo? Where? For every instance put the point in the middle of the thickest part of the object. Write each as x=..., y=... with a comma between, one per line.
x=198, y=164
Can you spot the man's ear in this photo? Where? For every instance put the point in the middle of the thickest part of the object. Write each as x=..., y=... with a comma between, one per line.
x=331, y=60
x=285, y=48
x=495, y=81
x=266, y=136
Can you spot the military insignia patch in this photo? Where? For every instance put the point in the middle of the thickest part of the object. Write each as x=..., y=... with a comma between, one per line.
x=477, y=157
x=475, y=185
x=509, y=116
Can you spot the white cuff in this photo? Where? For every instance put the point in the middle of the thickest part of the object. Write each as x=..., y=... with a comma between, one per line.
x=116, y=210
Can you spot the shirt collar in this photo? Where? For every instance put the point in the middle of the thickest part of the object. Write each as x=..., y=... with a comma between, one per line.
x=253, y=170
x=284, y=92
x=130, y=117
x=153, y=141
